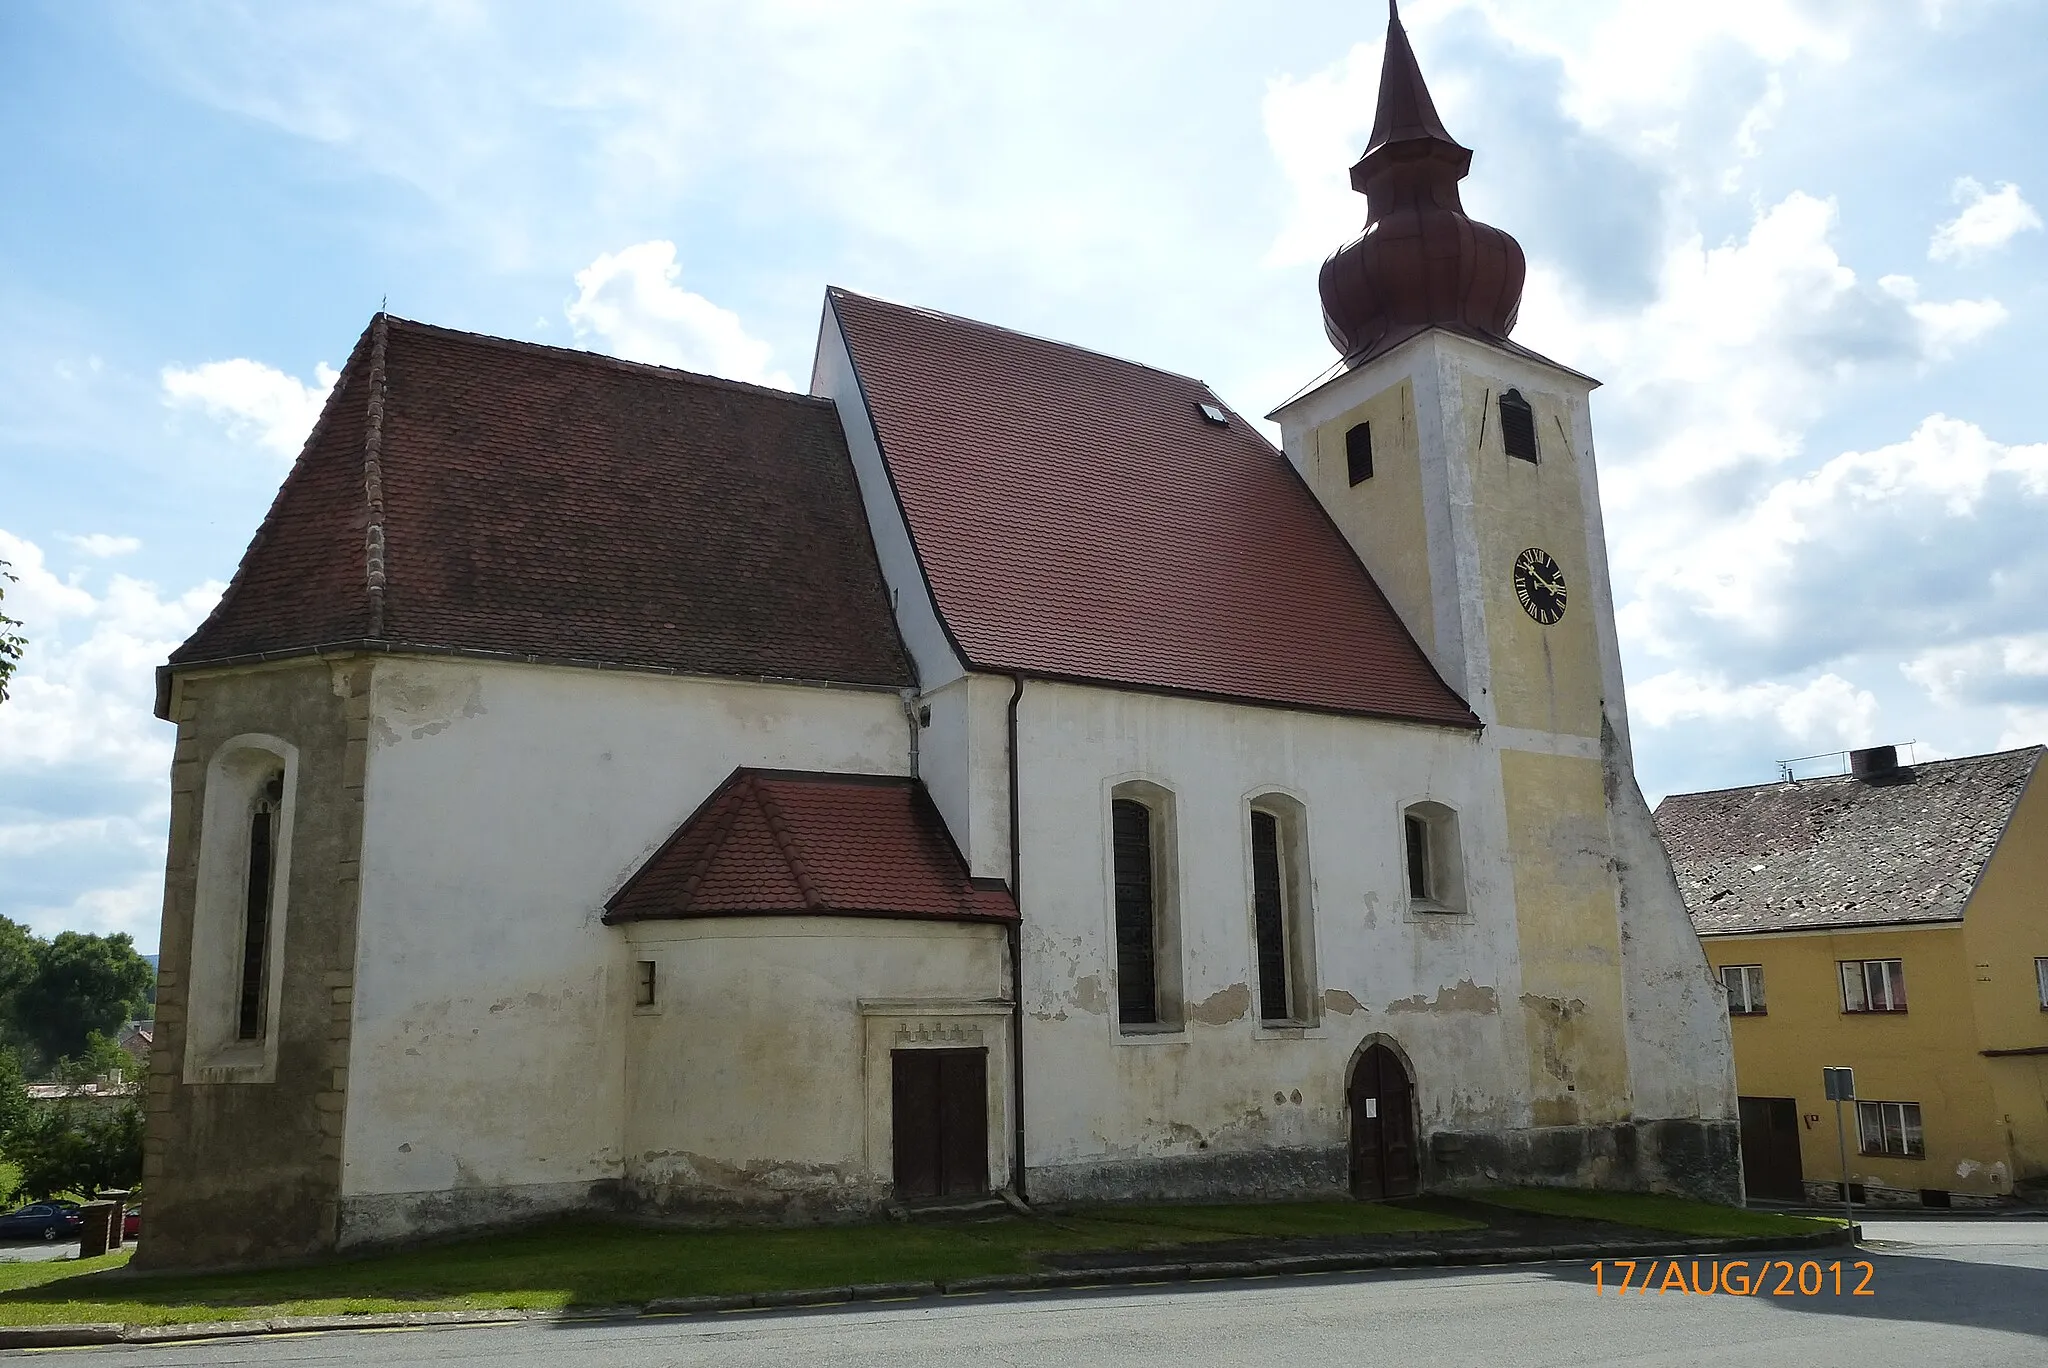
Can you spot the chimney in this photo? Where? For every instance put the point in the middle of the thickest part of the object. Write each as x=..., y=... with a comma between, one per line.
x=1873, y=761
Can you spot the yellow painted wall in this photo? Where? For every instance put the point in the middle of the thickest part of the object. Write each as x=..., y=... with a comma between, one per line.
x=1927, y=1054
x=1570, y=946
x=2005, y=928
x=1382, y=517
x=1544, y=678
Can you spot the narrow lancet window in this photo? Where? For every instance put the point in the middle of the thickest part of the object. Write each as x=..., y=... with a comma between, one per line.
x=1269, y=919
x=253, y=998
x=1137, y=986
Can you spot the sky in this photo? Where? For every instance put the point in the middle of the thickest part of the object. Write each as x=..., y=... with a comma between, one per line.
x=1800, y=241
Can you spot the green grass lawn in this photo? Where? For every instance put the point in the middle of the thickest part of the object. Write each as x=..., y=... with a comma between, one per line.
x=594, y=1264
x=1654, y=1212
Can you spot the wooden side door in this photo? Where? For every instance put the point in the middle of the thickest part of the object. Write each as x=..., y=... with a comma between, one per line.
x=1383, y=1152
x=939, y=1122
x=1771, y=1166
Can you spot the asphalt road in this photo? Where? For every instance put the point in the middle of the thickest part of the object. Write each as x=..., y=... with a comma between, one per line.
x=1962, y=1291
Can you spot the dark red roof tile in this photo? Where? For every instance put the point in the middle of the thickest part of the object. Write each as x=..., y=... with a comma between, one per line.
x=536, y=501
x=1077, y=517
x=774, y=842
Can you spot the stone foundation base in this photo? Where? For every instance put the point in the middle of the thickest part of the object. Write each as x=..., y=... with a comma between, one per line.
x=1689, y=1158
x=1821, y=1192
x=1272, y=1174
x=398, y=1217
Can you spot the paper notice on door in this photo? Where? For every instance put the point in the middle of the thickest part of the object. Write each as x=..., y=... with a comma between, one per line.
x=1372, y=1108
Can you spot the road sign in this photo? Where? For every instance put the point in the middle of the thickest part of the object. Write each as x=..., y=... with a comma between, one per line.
x=1839, y=1083
x=1841, y=1087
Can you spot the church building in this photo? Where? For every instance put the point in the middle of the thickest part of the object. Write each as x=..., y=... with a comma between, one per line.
x=999, y=771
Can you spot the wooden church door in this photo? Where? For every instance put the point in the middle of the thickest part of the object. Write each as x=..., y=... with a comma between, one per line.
x=1382, y=1127
x=939, y=1121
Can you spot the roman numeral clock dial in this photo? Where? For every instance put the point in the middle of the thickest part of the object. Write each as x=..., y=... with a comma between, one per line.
x=1539, y=585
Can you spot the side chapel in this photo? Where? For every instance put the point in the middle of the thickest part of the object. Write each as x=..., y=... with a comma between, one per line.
x=997, y=770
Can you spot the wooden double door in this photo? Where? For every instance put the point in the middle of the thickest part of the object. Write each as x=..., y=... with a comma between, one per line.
x=1381, y=1097
x=1770, y=1148
x=939, y=1120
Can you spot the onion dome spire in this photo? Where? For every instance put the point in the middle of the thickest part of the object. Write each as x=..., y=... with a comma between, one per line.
x=1421, y=261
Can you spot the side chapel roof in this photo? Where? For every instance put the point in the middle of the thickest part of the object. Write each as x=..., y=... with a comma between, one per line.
x=1078, y=517
x=1898, y=847
x=482, y=496
x=776, y=842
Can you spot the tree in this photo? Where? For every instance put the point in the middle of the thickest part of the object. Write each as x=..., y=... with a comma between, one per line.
x=12, y=642
x=69, y=1147
x=81, y=984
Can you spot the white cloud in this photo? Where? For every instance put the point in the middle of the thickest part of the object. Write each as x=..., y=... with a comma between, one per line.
x=1826, y=708
x=134, y=905
x=1977, y=671
x=81, y=700
x=256, y=403
x=1989, y=220
x=104, y=544
x=633, y=302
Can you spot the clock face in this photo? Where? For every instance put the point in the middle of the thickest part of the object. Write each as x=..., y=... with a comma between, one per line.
x=1539, y=584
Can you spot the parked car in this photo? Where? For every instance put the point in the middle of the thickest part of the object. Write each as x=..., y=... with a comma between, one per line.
x=131, y=1223
x=41, y=1221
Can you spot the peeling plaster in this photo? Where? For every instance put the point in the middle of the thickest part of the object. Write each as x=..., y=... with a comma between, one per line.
x=1558, y=1022
x=1341, y=1002
x=1090, y=996
x=1223, y=1007
x=1463, y=996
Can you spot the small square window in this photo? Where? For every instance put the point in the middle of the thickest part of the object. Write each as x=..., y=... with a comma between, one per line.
x=1358, y=453
x=1745, y=984
x=1873, y=985
x=1890, y=1128
x=644, y=985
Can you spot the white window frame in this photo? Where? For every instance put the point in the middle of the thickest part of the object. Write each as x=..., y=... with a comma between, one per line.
x=1897, y=1128
x=235, y=778
x=1882, y=995
x=1443, y=879
x=1169, y=1002
x=1747, y=999
x=1297, y=910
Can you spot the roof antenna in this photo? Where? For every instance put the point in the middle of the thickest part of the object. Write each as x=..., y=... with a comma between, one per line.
x=384, y=303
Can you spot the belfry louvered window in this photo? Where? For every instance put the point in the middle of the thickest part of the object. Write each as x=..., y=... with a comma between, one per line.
x=1518, y=426
x=1137, y=985
x=1358, y=453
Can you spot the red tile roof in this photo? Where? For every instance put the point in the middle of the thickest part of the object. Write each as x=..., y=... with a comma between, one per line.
x=773, y=842
x=539, y=502
x=1076, y=517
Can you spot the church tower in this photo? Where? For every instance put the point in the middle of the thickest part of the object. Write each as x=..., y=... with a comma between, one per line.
x=1459, y=465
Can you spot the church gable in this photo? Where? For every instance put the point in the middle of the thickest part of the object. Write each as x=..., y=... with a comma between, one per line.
x=479, y=496
x=1082, y=517
x=770, y=842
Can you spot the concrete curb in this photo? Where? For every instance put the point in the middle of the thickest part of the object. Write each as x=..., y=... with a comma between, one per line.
x=1121, y=1275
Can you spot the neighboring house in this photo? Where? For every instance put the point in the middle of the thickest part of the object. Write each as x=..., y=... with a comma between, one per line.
x=135, y=1037
x=1893, y=920
x=1000, y=769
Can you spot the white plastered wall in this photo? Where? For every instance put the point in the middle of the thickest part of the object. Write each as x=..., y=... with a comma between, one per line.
x=760, y=1078
x=1226, y=1083
x=503, y=805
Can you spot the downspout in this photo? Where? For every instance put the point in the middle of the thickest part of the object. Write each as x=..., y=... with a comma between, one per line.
x=1016, y=937
x=909, y=697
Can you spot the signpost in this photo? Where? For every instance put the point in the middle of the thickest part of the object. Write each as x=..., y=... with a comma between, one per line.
x=1840, y=1086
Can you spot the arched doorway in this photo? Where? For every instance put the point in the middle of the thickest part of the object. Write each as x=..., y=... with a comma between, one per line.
x=1382, y=1101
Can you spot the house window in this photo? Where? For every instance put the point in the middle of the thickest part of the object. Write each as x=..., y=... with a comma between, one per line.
x=1873, y=985
x=1280, y=910
x=1358, y=453
x=643, y=987
x=252, y=997
x=2041, y=979
x=1890, y=1128
x=1745, y=984
x=1518, y=426
x=1435, y=869
x=1147, y=925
